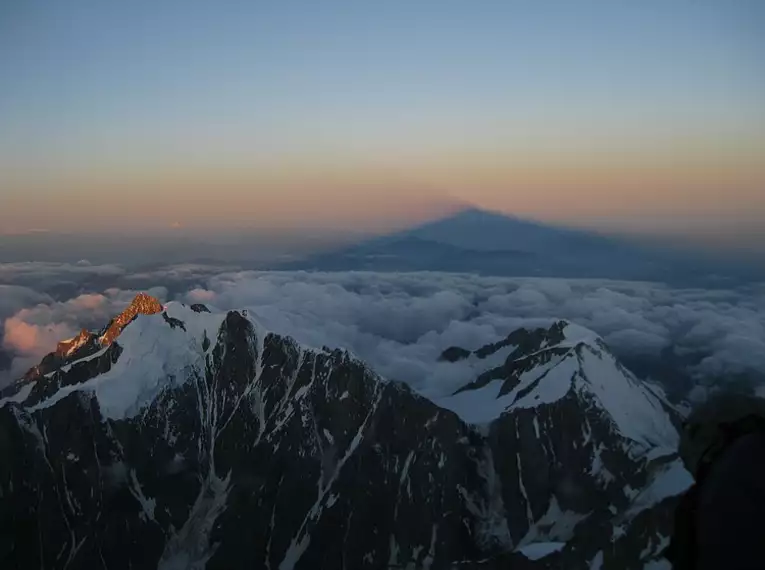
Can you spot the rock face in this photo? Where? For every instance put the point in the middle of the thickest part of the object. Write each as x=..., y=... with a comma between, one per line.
x=142, y=304
x=84, y=344
x=199, y=440
x=71, y=347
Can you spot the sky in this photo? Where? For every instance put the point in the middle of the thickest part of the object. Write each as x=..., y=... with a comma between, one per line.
x=642, y=117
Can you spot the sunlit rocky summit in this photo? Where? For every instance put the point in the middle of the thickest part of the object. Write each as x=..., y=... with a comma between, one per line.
x=86, y=342
x=185, y=437
x=142, y=304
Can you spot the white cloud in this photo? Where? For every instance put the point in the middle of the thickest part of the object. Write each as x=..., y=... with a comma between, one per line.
x=400, y=323
x=200, y=296
x=15, y=297
x=33, y=340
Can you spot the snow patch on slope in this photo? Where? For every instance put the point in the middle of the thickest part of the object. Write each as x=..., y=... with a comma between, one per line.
x=636, y=411
x=484, y=404
x=576, y=334
x=540, y=549
x=553, y=383
x=672, y=480
x=19, y=396
x=478, y=406
x=68, y=367
x=556, y=525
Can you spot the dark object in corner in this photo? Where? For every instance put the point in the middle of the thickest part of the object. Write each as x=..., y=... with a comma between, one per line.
x=718, y=522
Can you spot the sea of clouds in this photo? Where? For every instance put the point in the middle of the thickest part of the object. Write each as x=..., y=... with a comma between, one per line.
x=398, y=323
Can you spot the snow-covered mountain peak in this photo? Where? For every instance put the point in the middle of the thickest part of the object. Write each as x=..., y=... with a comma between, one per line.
x=154, y=352
x=545, y=366
x=155, y=348
x=525, y=342
x=574, y=334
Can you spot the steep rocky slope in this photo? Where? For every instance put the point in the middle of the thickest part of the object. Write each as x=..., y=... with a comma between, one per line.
x=197, y=439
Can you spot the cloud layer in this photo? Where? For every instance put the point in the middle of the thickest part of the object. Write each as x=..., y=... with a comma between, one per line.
x=400, y=323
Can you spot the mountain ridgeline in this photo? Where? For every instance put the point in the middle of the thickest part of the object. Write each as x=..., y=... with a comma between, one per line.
x=192, y=438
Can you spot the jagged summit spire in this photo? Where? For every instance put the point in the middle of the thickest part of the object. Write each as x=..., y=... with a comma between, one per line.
x=143, y=304
x=67, y=347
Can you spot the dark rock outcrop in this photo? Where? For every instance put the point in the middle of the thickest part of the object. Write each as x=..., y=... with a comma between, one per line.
x=454, y=354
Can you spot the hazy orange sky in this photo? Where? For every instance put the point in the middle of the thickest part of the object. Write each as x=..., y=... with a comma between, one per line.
x=646, y=118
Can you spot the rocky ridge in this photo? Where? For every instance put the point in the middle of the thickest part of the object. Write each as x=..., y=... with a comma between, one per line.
x=142, y=304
